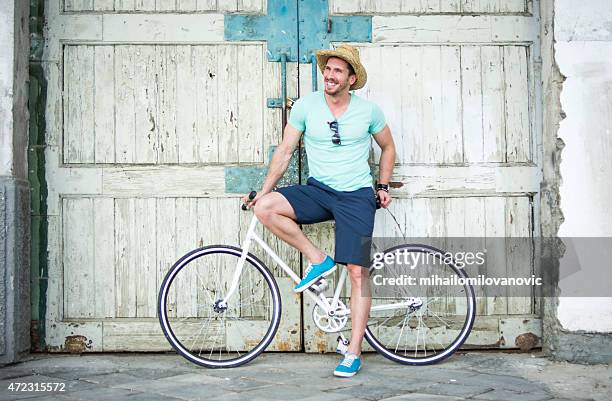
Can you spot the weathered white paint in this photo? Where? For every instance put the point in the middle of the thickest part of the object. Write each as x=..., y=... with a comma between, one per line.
x=140, y=90
x=586, y=63
x=166, y=6
x=453, y=29
x=458, y=104
x=427, y=6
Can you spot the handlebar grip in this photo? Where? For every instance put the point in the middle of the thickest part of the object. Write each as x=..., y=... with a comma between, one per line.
x=252, y=196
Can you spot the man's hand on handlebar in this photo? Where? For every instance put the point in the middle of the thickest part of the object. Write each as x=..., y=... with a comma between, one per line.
x=251, y=199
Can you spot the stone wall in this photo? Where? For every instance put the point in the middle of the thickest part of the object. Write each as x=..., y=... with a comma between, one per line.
x=14, y=188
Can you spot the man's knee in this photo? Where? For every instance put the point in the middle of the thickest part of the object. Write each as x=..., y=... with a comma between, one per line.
x=357, y=273
x=264, y=208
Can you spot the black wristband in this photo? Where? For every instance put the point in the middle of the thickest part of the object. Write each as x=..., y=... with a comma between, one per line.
x=382, y=187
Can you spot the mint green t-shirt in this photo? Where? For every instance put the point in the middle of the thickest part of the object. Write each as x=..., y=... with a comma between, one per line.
x=343, y=167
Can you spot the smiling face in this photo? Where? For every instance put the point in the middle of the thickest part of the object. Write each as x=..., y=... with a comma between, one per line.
x=338, y=76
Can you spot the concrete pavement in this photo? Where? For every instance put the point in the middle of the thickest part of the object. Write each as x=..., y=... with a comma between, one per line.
x=306, y=377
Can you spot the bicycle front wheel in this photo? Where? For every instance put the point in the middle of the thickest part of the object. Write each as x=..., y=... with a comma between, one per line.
x=423, y=319
x=201, y=327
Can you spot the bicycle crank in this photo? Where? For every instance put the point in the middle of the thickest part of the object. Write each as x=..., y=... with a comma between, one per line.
x=330, y=322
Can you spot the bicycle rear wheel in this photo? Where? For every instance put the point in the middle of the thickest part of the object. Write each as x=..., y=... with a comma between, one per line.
x=423, y=322
x=203, y=329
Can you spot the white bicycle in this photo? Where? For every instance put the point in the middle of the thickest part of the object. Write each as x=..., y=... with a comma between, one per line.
x=219, y=306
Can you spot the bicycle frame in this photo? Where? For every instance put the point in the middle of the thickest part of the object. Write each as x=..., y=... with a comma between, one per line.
x=320, y=299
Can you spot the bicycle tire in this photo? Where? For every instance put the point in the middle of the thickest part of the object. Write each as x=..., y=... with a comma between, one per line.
x=192, y=259
x=454, y=345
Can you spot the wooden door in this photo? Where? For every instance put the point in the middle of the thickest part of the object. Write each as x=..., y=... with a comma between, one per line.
x=149, y=111
x=458, y=82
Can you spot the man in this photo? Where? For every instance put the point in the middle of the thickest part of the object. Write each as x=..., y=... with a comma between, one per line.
x=337, y=127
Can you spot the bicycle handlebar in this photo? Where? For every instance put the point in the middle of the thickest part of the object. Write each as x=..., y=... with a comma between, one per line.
x=252, y=196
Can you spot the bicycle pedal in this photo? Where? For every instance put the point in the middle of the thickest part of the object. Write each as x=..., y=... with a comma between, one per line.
x=320, y=286
x=342, y=347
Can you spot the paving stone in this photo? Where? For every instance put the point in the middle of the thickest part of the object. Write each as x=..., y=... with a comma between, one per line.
x=457, y=390
x=191, y=391
x=422, y=397
x=507, y=395
x=100, y=394
x=110, y=378
x=370, y=392
x=151, y=397
x=279, y=393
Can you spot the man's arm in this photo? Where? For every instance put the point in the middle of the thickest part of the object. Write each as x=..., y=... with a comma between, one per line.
x=279, y=163
x=384, y=139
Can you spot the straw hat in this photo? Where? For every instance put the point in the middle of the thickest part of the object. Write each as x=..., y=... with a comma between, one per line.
x=349, y=54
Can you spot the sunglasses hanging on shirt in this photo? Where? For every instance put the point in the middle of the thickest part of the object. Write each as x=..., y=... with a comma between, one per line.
x=333, y=126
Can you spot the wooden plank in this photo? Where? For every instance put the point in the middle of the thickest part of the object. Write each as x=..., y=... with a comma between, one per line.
x=163, y=181
x=453, y=29
x=517, y=99
x=497, y=302
x=493, y=105
x=78, y=245
x=125, y=110
x=104, y=5
x=166, y=244
x=125, y=5
x=146, y=111
x=475, y=230
x=207, y=120
x=146, y=263
x=78, y=5
x=250, y=105
x=371, y=57
x=250, y=6
x=186, y=234
x=125, y=258
x=104, y=263
x=272, y=131
x=388, y=97
x=227, y=6
x=139, y=335
x=518, y=252
x=186, y=113
x=471, y=80
x=450, y=6
x=228, y=107
x=513, y=6
x=165, y=5
x=450, y=95
x=430, y=6
x=163, y=27
x=411, y=85
x=79, y=112
x=166, y=105
x=71, y=139
x=387, y=6
x=145, y=5
x=440, y=181
x=104, y=104
x=432, y=150
x=411, y=6
x=186, y=5
x=344, y=6
x=206, y=5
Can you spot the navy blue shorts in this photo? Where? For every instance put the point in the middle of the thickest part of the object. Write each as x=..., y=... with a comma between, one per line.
x=353, y=212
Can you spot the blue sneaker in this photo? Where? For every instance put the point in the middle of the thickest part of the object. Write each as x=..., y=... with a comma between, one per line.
x=349, y=366
x=315, y=272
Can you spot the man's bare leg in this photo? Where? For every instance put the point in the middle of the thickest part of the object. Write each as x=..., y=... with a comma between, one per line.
x=361, y=301
x=276, y=213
